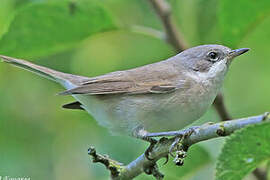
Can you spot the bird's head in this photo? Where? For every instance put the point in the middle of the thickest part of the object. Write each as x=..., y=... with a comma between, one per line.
x=209, y=60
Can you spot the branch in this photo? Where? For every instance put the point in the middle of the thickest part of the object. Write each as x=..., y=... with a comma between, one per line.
x=113, y=166
x=162, y=148
x=148, y=31
x=173, y=35
x=221, y=108
x=260, y=174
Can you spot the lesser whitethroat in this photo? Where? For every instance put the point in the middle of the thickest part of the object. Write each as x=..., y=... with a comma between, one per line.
x=163, y=96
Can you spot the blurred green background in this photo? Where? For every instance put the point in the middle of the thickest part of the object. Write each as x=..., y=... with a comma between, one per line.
x=40, y=140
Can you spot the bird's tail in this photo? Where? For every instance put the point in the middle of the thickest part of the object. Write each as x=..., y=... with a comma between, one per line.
x=60, y=77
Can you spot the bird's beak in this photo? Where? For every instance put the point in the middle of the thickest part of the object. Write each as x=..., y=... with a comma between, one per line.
x=238, y=52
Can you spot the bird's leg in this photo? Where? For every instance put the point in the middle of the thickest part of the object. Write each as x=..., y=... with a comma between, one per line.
x=140, y=133
x=173, y=133
x=177, y=145
x=179, y=139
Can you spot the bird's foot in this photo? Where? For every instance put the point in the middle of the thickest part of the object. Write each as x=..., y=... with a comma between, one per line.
x=148, y=151
x=142, y=134
x=153, y=143
x=179, y=147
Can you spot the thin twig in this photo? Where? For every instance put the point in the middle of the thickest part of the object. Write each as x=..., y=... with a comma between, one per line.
x=148, y=31
x=174, y=36
x=260, y=174
x=221, y=108
x=113, y=166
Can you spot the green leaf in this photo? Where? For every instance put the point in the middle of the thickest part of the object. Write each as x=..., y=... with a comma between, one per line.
x=41, y=29
x=238, y=18
x=243, y=152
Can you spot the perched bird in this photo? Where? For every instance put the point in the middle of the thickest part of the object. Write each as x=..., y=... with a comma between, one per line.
x=163, y=96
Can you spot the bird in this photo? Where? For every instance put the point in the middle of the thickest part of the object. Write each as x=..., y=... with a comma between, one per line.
x=164, y=96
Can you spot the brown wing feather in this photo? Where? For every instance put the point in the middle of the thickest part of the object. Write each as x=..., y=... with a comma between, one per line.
x=154, y=78
x=118, y=88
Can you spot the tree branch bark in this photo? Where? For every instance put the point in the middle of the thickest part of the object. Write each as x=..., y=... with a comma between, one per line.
x=173, y=35
x=260, y=174
x=162, y=148
x=221, y=109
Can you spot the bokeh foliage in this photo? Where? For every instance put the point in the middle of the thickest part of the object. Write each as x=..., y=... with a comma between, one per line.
x=244, y=151
x=40, y=140
x=30, y=32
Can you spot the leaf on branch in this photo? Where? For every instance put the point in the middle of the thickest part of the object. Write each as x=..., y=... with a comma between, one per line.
x=235, y=26
x=41, y=29
x=243, y=151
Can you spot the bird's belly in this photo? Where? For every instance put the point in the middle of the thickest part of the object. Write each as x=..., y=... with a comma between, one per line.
x=154, y=112
x=172, y=119
x=174, y=113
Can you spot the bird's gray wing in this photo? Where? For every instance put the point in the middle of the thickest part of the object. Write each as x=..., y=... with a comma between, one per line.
x=120, y=88
x=154, y=78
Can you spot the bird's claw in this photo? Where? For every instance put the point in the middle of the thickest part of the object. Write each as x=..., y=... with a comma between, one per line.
x=177, y=146
x=153, y=142
x=174, y=145
x=181, y=150
x=167, y=159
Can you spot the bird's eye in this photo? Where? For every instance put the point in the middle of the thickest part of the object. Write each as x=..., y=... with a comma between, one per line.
x=213, y=56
